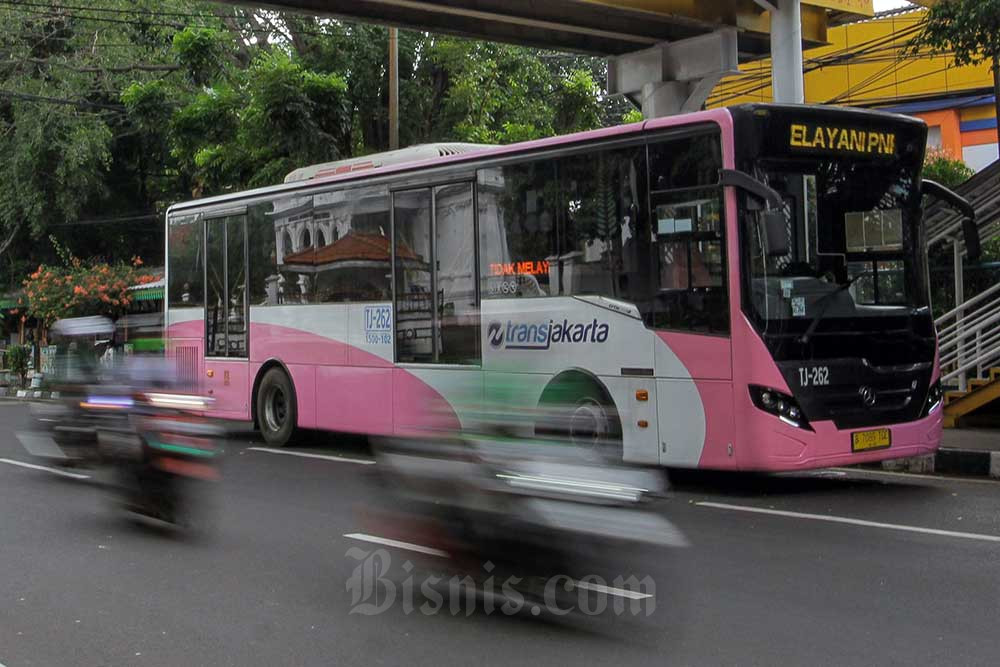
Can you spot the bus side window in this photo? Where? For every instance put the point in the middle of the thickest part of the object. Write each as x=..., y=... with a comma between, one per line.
x=282, y=236
x=688, y=231
x=186, y=246
x=690, y=255
x=352, y=245
x=226, y=298
x=517, y=221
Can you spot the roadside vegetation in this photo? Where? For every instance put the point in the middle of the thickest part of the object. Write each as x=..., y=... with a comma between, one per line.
x=112, y=110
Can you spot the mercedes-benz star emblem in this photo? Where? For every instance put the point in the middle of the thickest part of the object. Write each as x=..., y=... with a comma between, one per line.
x=867, y=395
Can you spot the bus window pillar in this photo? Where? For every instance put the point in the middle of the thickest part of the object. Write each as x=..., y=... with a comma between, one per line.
x=786, y=49
x=960, y=315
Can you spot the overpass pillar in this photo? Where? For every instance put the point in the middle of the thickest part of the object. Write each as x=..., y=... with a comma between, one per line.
x=786, y=50
x=675, y=77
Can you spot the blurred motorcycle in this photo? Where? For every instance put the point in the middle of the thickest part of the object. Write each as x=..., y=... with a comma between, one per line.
x=163, y=456
x=533, y=508
x=133, y=421
x=66, y=433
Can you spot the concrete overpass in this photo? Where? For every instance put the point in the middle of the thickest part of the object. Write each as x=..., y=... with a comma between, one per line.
x=667, y=55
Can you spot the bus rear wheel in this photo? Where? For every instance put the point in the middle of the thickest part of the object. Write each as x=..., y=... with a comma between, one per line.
x=276, y=410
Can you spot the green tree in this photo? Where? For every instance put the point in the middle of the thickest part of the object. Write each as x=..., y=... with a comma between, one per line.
x=969, y=30
x=17, y=362
x=71, y=157
x=941, y=167
x=113, y=110
x=74, y=289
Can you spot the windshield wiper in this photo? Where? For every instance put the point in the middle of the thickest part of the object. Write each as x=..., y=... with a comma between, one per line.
x=827, y=301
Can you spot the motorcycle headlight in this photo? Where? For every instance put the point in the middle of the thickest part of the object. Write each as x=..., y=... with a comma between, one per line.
x=779, y=404
x=178, y=401
x=107, y=403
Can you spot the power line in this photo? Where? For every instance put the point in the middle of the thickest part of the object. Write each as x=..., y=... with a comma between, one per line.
x=136, y=67
x=51, y=12
x=106, y=221
x=844, y=56
x=60, y=100
x=106, y=10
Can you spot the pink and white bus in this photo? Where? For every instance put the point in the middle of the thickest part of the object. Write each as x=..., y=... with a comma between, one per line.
x=738, y=288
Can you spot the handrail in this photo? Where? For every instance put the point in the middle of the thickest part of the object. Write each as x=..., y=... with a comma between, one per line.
x=961, y=339
x=971, y=342
x=991, y=354
x=975, y=340
x=966, y=305
x=971, y=321
x=992, y=346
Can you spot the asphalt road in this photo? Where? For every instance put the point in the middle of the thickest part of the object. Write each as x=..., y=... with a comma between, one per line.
x=831, y=568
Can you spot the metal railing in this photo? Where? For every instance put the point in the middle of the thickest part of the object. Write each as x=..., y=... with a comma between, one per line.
x=969, y=338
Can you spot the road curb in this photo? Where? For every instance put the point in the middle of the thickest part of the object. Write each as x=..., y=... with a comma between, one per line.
x=24, y=395
x=951, y=461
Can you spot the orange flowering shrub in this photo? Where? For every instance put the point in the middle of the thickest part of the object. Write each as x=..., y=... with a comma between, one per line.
x=75, y=289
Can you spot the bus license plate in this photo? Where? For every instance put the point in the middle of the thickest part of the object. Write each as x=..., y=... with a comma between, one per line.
x=867, y=441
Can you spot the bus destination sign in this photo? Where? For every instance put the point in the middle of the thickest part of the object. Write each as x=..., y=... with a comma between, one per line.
x=843, y=140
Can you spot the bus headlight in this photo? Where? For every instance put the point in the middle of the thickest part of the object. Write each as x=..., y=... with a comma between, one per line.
x=779, y=404
x=934, y=396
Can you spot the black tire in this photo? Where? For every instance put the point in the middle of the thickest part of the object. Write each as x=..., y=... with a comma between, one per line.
x=277, y=413
x=582, y=413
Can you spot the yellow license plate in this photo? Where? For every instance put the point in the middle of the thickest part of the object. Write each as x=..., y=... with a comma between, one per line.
x=866, y=441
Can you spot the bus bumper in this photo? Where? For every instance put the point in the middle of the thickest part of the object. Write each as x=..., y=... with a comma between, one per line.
x=778, y=447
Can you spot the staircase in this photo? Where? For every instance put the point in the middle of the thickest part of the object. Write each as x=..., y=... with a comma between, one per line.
x=969, y=335
x=969, y=340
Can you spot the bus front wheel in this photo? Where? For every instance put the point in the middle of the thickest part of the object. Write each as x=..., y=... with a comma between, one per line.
x=578, y=409
x=276, y=410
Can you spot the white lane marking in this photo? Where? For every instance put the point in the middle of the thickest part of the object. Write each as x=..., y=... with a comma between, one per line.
x=610, y=590
x=324, y=457
x=929, y=476
x=375, y=539
x=54, y=471
x=409, y=546
x=852, y=522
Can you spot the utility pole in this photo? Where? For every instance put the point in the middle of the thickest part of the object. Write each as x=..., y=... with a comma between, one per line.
x=393, y=89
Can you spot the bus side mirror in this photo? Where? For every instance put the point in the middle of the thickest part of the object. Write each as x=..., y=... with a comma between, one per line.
x=776, y=230
x=970, y=231
x=772, y=217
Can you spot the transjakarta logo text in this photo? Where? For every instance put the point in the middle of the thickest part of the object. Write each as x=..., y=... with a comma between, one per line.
x=542, y=336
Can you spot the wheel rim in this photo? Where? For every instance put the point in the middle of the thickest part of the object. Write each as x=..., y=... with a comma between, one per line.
x=589, y=425
x=275, y=409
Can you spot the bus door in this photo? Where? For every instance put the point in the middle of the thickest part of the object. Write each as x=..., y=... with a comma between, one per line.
x=436, y=304
x=692, y=316
x=226, y=326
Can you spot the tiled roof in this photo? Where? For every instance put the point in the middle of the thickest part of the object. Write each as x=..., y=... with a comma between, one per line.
x=353, y=247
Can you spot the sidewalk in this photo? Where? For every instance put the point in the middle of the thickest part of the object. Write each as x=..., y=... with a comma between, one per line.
x=965, y=451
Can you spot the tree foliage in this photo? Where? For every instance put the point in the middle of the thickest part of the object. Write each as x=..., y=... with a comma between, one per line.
x=940, y=166
x=968, y=30
x=16, y=358
x=111, y=111
x=73, y=289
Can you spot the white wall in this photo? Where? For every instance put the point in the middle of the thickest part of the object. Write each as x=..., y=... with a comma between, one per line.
x=980, y=157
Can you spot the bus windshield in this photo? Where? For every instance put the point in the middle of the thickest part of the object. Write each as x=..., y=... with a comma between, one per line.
x=853, y=239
